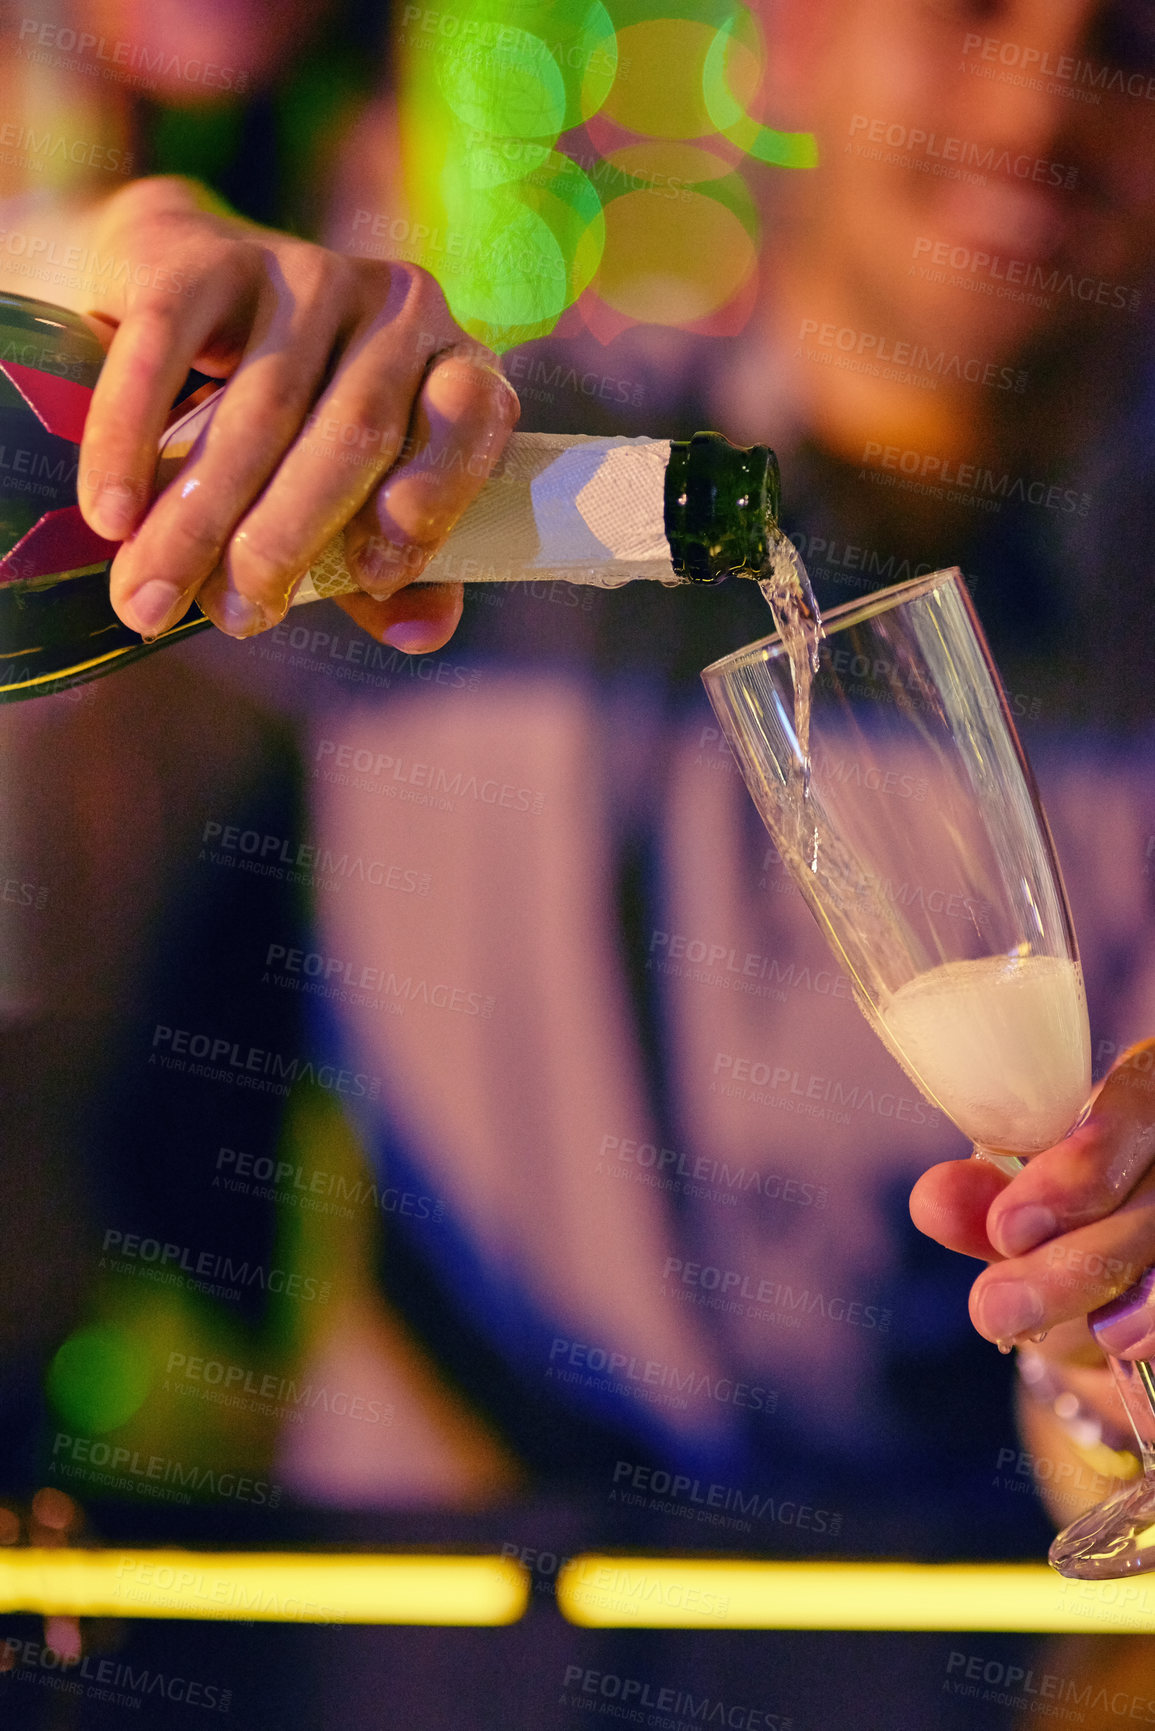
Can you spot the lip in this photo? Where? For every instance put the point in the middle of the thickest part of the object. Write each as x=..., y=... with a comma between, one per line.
x=1006, y=217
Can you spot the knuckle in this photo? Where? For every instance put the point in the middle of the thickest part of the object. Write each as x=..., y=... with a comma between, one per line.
x=272, y=397
x=317, y=275
x=197, y=537
x=279, y=396
x=153, y=322
x=425, y=299
x=363, y=430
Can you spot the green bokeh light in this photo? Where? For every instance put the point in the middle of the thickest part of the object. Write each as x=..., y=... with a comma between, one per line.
x=511, y=86
x=534, y=243
x=99, y=1378
x=784, y=149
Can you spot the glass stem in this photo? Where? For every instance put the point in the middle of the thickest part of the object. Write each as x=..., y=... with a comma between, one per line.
x=1011, y=1164
x=1134, y=1378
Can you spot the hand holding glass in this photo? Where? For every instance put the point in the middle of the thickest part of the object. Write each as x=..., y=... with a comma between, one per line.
x=922, y=850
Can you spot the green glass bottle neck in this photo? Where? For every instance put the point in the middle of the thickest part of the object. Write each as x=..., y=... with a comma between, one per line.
x=721, y=507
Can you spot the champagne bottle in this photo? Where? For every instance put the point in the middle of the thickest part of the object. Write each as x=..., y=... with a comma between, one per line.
x=583, y=510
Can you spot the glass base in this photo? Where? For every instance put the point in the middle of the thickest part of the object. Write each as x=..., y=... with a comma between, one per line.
x=1114, y=1539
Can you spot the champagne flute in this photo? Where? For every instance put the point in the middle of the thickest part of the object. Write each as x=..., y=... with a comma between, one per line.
x=906, y=811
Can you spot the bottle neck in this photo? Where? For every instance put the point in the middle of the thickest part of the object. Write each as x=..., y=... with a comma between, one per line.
x=721, y=507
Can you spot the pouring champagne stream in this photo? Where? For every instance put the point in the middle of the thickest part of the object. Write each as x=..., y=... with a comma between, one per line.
x=977, y=989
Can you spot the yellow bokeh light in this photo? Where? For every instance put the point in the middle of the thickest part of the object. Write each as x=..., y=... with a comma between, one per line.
x=673, y=261
x=658, y=91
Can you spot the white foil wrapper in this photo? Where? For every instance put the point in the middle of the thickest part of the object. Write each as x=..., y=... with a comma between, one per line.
x=577, y=509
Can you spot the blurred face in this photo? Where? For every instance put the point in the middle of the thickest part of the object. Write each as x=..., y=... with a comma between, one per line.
x=220, y=46
x=988, y=166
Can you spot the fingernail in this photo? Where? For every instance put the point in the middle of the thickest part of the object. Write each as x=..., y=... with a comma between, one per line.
x=380, y=570
x=1008, y=1308
x=1020, y=1229
x=153, y=603
x=454, y=386
x=413, y=636
x=1129, y=1321
x=239, y=616
x=511, y=398
x=114, y=509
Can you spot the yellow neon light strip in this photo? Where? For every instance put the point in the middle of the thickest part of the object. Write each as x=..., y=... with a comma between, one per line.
x=603, y=1592
x=78, y=667
x=271, y=1587
x=593, y=1591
